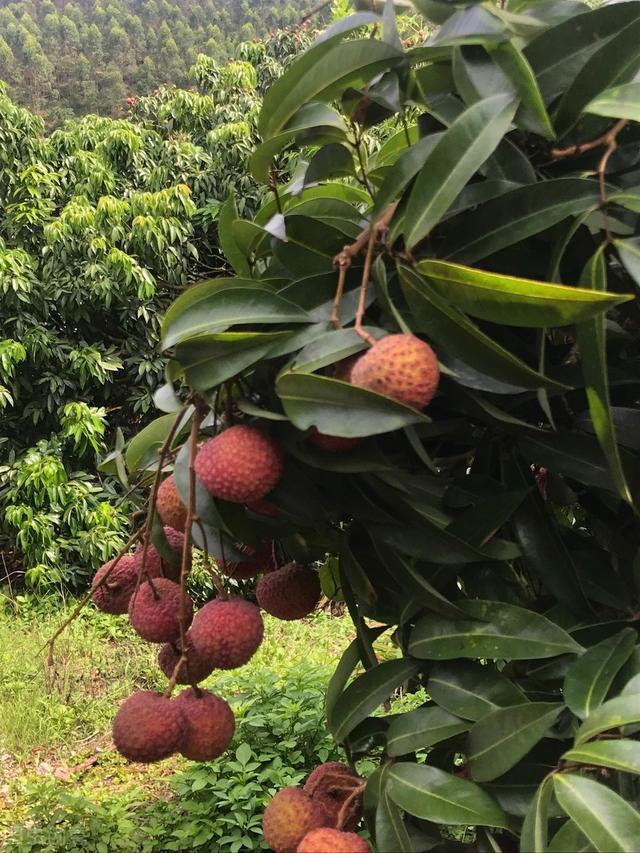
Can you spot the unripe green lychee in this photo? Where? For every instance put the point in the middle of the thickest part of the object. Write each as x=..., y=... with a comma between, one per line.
x=227, y=632
x=148, y=727
x=240, y=464
x=332, y=443
x=333, y=783
x=196, y=668
x=210, y=724
x=259, y=561
x=113, y=594
x=155, y=566
x=288, y=817
x=154, y=611
x=401, y=367
x=169, y=505
x=291, y=592
x=327, y=840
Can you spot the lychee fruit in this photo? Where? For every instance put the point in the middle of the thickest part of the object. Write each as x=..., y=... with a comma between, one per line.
x=196, y=668
x=332, y=783
x=210, y=724
x=154, y=565
x=259, y=560
x=113, y=594
x=227, y=632
x=342, y=369
x=148, y=727
x=240, y=464
x=288, y=817
x=291, y=592
x=154, y=611
x=327, y=840
x=264, y=507
x=169, y=504
x=401, y=367
x=332, y=443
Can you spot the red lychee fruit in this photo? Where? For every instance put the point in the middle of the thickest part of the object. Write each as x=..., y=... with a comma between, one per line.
x=327, y=840
x=331, y=784
x=227, y=632
x=259, y=561
x=114, y=594
x=154, y=611
x=196, y=669
x=342, y=369
x=401, y=367
x=263, y=507
x=240, y=464
x=291, y=592
x=148, y=727
x=157, y=567
x=169, y=505
x=332, y=443
x=210, y=724
x=288, y=817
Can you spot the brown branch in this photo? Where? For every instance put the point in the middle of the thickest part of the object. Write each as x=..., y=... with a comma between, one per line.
x=611, y=141
x=343, y=814
x=335, y=311
x=364, y=285
x=605, y=139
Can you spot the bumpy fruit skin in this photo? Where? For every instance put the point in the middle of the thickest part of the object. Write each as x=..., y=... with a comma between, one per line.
x=332, y=443
x=169, y=504
x=196, y=670
x=289, y=816
x=327, y=840
x=157, y=567
x=114, y=595
x=210, y=725
x=342, y=369
x=291, y=592
x=331, y=784
x=154, y=611
x=401, y=367
x=240, y=465
x=227, y=633
x=148, y=727
x=260, y=560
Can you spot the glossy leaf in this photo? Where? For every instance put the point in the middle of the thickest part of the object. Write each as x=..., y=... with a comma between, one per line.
x=534, y=835
x=404, y=170
x=422, y=728
x=342, y=673
x=615, y=754
x=461, y=150
x=142, y=450
x=608, y=821
x=507, y=632
x=629, y=251
x=515, y=66
x=431, y=794
x=515, y=301
x=228, y=244
x=471, y=690
x=622, y=711
x=500, y=739
x=591, y=676
x=331, y=161
x=569, y=839
x=617, y=102
x=390, y=831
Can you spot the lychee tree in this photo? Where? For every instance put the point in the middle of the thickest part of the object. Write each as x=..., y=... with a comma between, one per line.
x=423, y=378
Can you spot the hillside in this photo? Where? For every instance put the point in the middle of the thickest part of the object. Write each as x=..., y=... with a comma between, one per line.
x=66, y=58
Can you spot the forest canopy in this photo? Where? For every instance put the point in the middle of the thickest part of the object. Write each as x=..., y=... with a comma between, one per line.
x=67, y=59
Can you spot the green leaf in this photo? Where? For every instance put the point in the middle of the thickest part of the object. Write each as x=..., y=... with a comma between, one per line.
x=441, y=546
x=515, y=301
x=338, y=408
x=616, y=61
x=410, y=577
x=228, y=244
x=617, y=102
x=534, y=834
x=331, y=161
x=515, y=66
x=517, y=215
x=569, y=839
x=366, y=693
x=403, y=171
x=422, y=728
x=391, y=834
x=616, y=754
x=622, y=711
x=143, y=448
x=471, y=690
x=591, y=337
x=629, y=251
x=322, y=74
x=589, y=679
x=509, y=632
x=213, y=309
x=348, y=662
x=459, y=153
x=455, y=333
x=431, y=794
x=608, y=821
x=500, y=739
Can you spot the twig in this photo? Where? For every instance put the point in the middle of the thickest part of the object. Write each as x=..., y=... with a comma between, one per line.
x=605, y=139
x=362, y=301
x=344, y=810
x=611, y=141
x=335, y=311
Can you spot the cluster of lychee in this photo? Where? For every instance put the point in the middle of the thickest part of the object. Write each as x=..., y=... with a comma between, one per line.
x=319, y=817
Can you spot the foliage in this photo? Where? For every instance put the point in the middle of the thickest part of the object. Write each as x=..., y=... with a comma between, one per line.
x=64, y=59
x=497, y=536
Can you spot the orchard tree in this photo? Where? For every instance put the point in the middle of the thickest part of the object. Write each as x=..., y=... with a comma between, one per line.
x=422, y=383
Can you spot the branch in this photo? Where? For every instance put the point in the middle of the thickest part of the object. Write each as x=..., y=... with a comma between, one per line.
x=605, y=139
